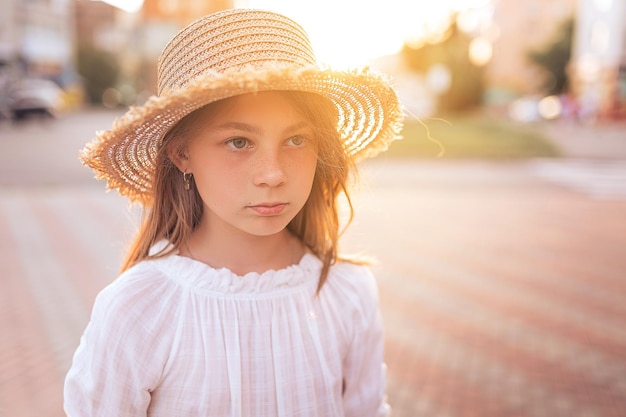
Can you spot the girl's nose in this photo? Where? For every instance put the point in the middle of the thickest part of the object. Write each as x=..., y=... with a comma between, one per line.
x=270, y=169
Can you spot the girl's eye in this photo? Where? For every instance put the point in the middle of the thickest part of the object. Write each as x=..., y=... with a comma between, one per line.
x=237, y=143
x=297, y=140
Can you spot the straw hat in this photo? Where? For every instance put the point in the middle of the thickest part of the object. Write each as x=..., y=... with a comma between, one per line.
x=230, y=53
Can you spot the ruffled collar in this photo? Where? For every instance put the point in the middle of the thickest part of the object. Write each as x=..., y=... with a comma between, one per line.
x=202, y=277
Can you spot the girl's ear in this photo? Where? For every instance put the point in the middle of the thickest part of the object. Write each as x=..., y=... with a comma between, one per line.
x=178, y=154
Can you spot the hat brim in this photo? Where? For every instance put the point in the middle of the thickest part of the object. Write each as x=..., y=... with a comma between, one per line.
x=370, y=118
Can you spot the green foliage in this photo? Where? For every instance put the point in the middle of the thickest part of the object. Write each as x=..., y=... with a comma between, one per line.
x=467, y=87
x=554, y=57
x=464, y=136
x=99, y=69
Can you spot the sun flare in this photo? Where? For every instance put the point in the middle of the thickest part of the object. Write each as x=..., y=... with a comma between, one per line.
x=352, y=32
x=130, y=6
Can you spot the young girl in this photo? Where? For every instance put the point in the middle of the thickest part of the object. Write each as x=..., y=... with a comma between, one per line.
x=233, y=300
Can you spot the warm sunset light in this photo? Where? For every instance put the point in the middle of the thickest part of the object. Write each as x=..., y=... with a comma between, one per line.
x=130, y=6
x=480, y=51
x=352, y=32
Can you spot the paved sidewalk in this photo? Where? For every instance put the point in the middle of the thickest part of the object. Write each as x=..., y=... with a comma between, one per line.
x=602, y=140
x=503, y=291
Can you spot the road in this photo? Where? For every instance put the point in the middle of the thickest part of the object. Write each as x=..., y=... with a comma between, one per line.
x=502, y=284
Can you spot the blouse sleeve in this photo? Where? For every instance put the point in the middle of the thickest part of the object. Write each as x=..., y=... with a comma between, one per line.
x=364, y=369
x=115, y=366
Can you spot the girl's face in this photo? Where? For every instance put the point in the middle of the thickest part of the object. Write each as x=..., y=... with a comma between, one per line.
x=253, y=163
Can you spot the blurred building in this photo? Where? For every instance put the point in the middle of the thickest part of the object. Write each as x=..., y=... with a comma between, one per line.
x=36, y=39
x=133, y=40
x=107, y=55
x=598, y=68
x=47, y=38
x=159, y=21
x=181, y=12
x=96, y=24
x=519, y=27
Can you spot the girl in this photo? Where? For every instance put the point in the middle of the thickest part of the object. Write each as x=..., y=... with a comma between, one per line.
x=233, y=300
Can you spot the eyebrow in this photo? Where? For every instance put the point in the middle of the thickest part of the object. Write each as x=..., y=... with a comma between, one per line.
x=256, y=130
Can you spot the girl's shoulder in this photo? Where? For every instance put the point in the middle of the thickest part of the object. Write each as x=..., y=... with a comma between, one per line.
x=142, y=275
x=353, y=283
x=353, y=272
x=141, y=287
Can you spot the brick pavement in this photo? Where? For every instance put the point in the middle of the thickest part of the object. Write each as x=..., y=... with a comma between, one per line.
x=603, y=140
x=503, y=286
x=59, y=248
x=503, y=290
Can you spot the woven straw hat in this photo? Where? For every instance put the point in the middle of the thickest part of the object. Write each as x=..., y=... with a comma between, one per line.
x=230, y=53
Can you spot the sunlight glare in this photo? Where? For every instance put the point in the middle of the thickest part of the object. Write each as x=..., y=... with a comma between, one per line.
x=480, y=51
x=352, y=33
x=550, y=107
x=461, y=5
x=469, y=21
x=130, y=6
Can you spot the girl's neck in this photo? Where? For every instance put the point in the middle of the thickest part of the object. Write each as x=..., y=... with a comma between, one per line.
x=243, y=253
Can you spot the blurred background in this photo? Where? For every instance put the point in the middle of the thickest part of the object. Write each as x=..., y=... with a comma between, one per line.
x=499, y=222
x=535, y=59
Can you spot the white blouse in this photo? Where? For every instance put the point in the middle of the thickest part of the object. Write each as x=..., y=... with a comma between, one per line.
x=175, y=337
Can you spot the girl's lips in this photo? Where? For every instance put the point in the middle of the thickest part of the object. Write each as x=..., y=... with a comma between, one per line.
x=269, y=209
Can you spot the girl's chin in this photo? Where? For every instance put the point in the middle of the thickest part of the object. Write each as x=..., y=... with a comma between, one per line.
x=269, y=225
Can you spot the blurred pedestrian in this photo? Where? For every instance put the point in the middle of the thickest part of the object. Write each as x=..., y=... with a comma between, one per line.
x=233, y=300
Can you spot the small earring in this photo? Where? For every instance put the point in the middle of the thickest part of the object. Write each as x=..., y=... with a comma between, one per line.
x=186, y=179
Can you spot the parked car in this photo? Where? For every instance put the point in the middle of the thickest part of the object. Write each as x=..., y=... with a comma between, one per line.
x=34, y=97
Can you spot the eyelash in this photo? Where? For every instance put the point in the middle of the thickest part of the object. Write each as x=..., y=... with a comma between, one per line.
x=303, y=138
x=231, y=142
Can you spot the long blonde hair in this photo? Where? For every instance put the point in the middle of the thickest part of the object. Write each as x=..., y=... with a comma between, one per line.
x=175, y=212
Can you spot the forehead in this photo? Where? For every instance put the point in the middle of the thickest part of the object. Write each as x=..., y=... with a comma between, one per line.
x=259, y=104
x=267, y=108
x=263, y=110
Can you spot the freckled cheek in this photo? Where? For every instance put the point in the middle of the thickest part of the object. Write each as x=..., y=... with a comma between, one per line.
x=304, y=173
x=219, y=181
x=303, y=167
x=221, y=196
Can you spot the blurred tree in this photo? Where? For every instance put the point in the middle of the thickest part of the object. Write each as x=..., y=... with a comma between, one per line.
x=466, y=87
x=99, y=69
x=553, y=58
